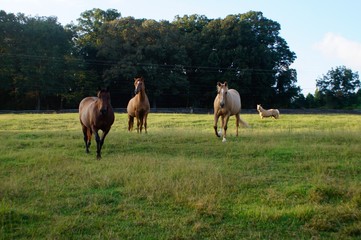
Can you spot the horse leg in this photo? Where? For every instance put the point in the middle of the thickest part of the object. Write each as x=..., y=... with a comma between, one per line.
x=87, y=138
x=145, y=122
x=238, y=119
x=99, y=144
x=102, y=140
x=138, y=123
x=216, y=116
x=141, y=118
x=130, y=123
x=222, y=128
x=225, y=126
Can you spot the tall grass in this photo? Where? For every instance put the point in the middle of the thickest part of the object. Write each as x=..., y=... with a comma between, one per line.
x=293, y=178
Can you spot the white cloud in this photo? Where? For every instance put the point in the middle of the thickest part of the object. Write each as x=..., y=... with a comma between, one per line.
x=339, y=48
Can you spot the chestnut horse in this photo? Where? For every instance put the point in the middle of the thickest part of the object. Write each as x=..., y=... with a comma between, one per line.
x=227, y=103
x=96, y=113
x=138, y=107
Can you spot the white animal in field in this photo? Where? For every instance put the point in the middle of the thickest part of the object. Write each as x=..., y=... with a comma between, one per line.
x=267, y=113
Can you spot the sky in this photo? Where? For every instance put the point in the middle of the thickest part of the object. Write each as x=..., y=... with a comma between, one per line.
x=323, y=34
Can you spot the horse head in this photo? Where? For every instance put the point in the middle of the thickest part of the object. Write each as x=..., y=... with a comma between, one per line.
x=104, y=101
x=259, y=107
x=222, y=89
x=139, y=85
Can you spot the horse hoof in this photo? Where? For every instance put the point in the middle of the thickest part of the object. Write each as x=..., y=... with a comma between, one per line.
x=224, y=140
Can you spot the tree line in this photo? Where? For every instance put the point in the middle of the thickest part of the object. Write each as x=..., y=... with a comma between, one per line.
x=44, y=65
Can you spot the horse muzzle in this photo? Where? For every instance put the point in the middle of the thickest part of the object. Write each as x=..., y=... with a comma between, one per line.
x=104, y=111
x=221, y=104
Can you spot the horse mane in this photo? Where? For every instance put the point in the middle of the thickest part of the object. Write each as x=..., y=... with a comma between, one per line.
x=106, y=89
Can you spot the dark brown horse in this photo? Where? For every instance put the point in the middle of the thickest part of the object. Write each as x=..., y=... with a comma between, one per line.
x=227, y=103
x=138, y=107
x=96, y=113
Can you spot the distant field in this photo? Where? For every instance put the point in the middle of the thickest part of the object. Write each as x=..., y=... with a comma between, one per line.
x=298, y=177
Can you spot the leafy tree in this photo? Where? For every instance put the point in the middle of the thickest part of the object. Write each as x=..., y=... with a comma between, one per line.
x=148, y=48
x=286, y=88
x=45, y=46
x=35, y=50
x=190, y=29
x=163, y=51
x=244, y=49
x=270, y=58
x=181, y=60
x=11, y=29
x=338, y=88
x=90, y=24
x=310, y=101
x=87, y=41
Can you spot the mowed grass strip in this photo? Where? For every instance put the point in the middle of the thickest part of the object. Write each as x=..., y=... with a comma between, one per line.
x=293, y=178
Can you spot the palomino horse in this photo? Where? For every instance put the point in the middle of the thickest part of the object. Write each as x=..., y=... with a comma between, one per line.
x=138, y=106
x=267, y=113
x=96, y=113
x=227, y=103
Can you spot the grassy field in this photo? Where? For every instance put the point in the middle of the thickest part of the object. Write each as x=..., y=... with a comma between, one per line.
x=298, y=177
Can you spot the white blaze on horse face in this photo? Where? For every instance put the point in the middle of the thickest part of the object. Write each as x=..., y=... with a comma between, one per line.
x=221, y=102
x=137, y=87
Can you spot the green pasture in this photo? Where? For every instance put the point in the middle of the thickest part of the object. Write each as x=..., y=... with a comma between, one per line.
x=298, y=177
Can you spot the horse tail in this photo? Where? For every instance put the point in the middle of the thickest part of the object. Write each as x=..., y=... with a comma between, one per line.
x=243, y=122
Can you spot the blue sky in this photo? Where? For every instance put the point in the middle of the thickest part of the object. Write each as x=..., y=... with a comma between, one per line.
x=324, y=34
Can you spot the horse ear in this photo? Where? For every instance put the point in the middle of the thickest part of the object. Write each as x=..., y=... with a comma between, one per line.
x=218, y=86
x=225, y=84
x=99, y=90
